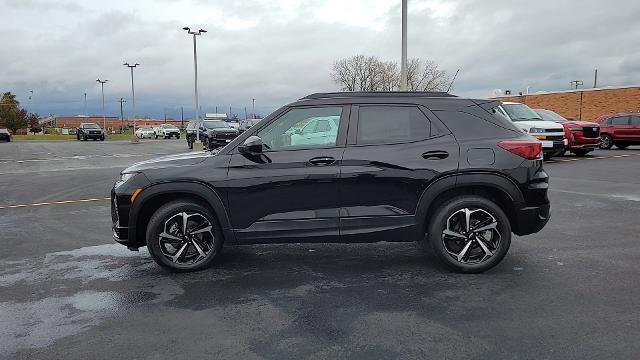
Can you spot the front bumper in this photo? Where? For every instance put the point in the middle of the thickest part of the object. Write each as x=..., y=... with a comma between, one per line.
x=554, y=146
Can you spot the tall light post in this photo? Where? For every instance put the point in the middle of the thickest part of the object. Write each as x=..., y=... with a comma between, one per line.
x=85, y=104
x=195, y=67
x=133, y=100
x=403, y=61
x=104, y=117
x=253, y=108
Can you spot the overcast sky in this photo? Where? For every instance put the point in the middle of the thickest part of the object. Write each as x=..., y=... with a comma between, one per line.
x=278, y=51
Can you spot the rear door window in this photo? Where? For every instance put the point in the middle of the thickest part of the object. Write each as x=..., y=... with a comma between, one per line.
x=391, y=124
x=635, y=120
x=620, y=120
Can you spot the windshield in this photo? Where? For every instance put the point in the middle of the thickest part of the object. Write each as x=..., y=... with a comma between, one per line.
x=216, y=124
x=550, y=115
x=91, y=126
x=169, y=127
x=520, y=112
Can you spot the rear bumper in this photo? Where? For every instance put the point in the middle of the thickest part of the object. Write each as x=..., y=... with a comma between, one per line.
x=532, y=219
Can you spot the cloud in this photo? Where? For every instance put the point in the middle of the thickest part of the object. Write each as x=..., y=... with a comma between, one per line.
x=278, y=51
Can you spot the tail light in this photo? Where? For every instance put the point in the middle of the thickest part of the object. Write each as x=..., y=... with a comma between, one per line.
x=528, y=149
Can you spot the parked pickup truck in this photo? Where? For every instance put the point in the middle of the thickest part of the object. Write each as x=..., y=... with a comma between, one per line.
x=550, y=133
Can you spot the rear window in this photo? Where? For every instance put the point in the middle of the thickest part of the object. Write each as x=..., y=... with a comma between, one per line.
x=391, y=124
x=635, y=120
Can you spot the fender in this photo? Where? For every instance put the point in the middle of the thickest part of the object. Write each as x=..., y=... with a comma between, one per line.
x=209, y=194
x=490, y=179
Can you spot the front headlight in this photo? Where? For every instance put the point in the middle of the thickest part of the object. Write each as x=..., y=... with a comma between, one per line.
x=536, y=130
x=124, y=177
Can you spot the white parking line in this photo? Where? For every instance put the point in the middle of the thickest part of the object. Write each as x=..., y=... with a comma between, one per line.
x=82, y=157
x=59, y=202
x=591, y=158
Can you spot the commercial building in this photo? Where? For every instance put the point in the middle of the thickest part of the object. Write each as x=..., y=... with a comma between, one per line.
x=583, y=104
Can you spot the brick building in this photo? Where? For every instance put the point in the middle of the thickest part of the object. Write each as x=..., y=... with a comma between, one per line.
x=583, y=104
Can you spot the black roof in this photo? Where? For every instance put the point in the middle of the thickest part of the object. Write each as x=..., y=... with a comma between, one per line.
x=361, y=94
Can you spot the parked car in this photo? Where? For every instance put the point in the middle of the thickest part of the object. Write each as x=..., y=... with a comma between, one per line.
x=145, y=132
x=166, y=131
x=550, y=133
x=213, y=134
x=582, y=136
x=246, y=124
x=621, y=130
x=90, y=131
x=403, y=166
x=5, y=135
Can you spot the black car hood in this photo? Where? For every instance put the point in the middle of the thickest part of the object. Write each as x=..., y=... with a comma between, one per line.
x=186, y=159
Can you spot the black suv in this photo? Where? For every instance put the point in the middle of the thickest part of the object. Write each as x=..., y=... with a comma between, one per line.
x=90, y=131
x=345, y=167
x=213, y=134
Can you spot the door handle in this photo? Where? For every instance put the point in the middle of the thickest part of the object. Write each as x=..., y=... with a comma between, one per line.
x=436, y=154
x=322, y=160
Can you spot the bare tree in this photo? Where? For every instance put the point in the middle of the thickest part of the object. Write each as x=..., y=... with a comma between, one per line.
x=368, y=73
x=426, y=76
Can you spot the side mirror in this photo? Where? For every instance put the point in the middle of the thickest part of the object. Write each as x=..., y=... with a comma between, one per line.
x=252, y=145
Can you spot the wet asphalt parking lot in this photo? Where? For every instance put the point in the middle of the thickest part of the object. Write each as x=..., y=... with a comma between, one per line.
x=68, y=291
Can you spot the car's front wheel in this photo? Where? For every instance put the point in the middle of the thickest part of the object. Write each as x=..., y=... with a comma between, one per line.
x=183, y=236
x=470, y=234
x=606, y=142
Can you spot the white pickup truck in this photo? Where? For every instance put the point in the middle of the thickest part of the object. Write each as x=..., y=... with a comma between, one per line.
x=550, y=133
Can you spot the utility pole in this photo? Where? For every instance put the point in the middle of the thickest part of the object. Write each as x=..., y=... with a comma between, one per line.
x=182, y=116
x=104, y=118
x=403, y=61
x=245, y=113
x=85, y=103
x=134, y=139
x=165, y=115
x=253, y=109
x=595, y=78
x=122, y=101
x=197, y=143
x=576, y=83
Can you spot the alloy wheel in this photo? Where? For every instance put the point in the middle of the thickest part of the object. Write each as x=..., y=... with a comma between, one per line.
x=471, y=236
x=187, y=238
x=605, y=142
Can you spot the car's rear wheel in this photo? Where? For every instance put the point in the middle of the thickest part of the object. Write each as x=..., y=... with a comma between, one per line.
x=470, y=234
x=606, y=142
x=183, y=236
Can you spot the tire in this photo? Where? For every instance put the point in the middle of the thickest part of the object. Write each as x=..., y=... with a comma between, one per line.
x=78, y=137
x=606, y=142
x=622, y=146
x=581, y=152
x=156, y=136
x=189, y=144
x=190, y=258
x=451, y=249
x=547, y=156
x=102, y=138
x=205, y=143
x=84, y=138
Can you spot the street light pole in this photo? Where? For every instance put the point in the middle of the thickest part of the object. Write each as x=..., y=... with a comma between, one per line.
x=133, y=100
x=195, y=68
x=85, y=103
x=403, y=62
x=253, y=108
x=104, y=117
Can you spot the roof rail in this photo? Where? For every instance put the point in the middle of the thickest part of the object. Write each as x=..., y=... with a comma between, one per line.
x=354, y=94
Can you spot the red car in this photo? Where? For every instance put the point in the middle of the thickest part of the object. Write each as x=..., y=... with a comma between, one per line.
x=582, y=136
x=621, y=130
